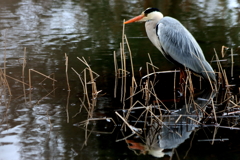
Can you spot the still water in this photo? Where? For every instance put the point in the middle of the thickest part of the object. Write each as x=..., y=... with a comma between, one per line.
x=42, y=31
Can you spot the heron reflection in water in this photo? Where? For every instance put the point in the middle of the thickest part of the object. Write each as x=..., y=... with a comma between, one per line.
x=169, y=132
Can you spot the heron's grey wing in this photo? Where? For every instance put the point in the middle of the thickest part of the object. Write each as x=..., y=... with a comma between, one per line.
x=179, y=45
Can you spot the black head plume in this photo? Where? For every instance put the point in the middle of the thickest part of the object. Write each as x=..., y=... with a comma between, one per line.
x=150, y=10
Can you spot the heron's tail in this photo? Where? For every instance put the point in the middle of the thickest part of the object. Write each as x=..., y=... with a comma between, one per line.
x=208, y=72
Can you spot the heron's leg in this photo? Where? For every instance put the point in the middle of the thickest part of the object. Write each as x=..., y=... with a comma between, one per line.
x=186, y=82
x=182, y=80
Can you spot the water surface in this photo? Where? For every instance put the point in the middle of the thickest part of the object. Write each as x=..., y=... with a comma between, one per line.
x=37, y=127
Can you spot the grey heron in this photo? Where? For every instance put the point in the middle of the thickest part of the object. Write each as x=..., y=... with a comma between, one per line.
x=175, y=42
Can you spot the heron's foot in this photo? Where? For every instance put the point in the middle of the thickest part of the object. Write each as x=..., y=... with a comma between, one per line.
x=135, y=145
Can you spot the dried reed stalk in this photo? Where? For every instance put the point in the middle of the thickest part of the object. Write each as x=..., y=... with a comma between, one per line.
x=137, y=131
x=222, y=50
x=174, y=90
x=85, y=89
x=66, y=71
x=16, y=79
x=92, y=78
x=134, y=86
x=23, y=73
x=30, y=82
x=116, y=74
x=94, y=92
x=232, y=62
x=67, y=104
x=123, y=63
x=46, y=95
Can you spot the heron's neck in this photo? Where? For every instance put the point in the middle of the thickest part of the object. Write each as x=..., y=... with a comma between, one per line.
x=150, y=26
x=155, y=16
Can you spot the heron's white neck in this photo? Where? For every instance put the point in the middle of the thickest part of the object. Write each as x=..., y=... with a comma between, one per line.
x=150, y=25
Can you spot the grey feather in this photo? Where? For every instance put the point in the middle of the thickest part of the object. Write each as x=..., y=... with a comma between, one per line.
x=178, y=44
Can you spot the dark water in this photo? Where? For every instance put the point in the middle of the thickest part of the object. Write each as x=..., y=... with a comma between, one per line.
x=36, y=126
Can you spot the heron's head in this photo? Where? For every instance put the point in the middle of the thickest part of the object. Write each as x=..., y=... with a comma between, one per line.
x=148, y=14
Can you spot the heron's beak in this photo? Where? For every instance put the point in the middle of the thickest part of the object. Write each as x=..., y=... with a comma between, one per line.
x=135, y=19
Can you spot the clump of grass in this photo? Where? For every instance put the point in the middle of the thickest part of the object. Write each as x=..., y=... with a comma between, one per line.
x=27, y=85
x=88, y=78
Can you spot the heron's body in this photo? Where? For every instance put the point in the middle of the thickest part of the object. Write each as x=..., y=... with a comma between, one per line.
x=175, y=42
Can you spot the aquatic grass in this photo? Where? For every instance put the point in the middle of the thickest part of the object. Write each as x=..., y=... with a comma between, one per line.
x=66, y=72
x=94, y=92
x=27, y=86
x=68, y=85
x=24, y=63
x=88, y=80
x=30, y=83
